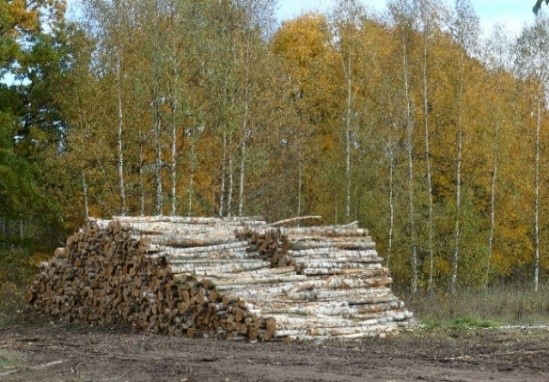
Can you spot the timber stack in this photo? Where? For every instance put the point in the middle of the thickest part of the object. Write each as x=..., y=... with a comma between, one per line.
x=231, y=278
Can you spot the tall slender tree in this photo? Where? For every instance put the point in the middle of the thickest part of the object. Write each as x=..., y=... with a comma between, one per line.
x=465, y=31
x=532, y=53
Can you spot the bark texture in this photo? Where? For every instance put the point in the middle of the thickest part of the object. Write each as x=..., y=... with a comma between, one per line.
x=233, y=278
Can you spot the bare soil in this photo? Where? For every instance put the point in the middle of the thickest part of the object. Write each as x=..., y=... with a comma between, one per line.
x=59, y=353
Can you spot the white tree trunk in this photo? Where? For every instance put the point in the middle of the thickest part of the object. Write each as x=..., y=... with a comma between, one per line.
x=173, y=159
x=231, y=185
x=141, y=175
x=158, y=161
x=459, y=155
x=191, y=176
x=493, y=190
x=409, y=149
x=85, y=193
x=537, y=205
x=223, y=174
x=119, y=148
x=430, y=248
x=299, y=184
x=242, y=177
x=348, y=123
x=391, y=203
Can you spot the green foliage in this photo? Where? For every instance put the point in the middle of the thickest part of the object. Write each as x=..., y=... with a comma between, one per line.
x=200, y=89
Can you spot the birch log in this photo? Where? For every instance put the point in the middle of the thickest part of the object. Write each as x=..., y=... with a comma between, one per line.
x=233, y=278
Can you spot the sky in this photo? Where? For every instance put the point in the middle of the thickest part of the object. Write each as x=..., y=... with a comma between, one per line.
x=514, y=14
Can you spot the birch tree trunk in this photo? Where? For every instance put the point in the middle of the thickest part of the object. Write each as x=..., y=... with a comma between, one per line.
x=465, y=29
x=158, y=149
x=191, y=174
x=537, y=204
x=245, y=117
x=531, y=63
x=496, y=158
x=391, y=202
x=141, y=174
x=223, y=174
x=348, y=122
x=157, y=117
x=85, y=194
x=426, y=30
x=231, y=184
x=119, y=148
x=241, y=178
x=409, y=149
x=174, y=97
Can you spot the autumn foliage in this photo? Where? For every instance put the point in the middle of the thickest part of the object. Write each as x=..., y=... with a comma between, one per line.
x=203, y=108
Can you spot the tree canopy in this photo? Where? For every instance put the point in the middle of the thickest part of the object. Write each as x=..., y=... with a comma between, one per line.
x=408, y=122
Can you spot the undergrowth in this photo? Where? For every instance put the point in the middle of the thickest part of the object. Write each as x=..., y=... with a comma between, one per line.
x=496, y=306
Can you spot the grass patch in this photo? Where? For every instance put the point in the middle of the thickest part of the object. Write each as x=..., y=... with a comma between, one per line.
x=461, y=323
x=8, y=360
x=493, y=307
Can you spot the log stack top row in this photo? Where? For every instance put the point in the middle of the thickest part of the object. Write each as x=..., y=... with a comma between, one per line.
x=231, y=278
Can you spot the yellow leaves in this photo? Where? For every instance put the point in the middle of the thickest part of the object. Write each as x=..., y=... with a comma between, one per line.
x=303, y=41
x=18, y=17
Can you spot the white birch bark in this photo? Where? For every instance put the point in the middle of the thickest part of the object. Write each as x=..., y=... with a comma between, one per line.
x=537, y=204
x=231, y=185
x=348, y=123
x=191, y=175
x=222, y=176
x=158, y=159
x=426, y=30
x=409, y=150
x=391, y=204
x=241, y=174
x=465, y=29
x=85, y=194
x=120, y=126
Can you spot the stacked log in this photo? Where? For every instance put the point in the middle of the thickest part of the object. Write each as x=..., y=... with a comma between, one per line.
x=230, y=278
x=106, y=277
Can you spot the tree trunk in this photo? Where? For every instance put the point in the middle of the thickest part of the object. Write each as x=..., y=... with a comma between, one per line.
x=493, y=189
x=141, y=175
x=459, y=154
x=537, y=204
x=191, y=174
x=409, y=149
x=241, y=179
x=223, y=174
x=391, y=204
x=430, y=249
x=158, y=162
x=231, y=185
x=299, y=184
x=173, y=162
x=119, y=151
x=85, y=193
x=348, y=122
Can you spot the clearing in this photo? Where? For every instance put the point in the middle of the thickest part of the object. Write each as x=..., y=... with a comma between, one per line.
x=60, y=353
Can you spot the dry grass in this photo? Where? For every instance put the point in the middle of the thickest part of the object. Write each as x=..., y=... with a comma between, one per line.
x=497, y=305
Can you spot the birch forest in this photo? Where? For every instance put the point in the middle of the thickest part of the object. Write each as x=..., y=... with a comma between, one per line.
x=430, y=133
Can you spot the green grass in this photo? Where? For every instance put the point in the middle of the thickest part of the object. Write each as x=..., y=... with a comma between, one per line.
x=8, y=360
x=461, y=323
x=496, y=306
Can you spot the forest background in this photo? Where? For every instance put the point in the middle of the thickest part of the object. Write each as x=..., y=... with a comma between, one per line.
x=410, y=122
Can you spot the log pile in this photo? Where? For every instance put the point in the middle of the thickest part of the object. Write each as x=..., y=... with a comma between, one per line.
x=228, y=278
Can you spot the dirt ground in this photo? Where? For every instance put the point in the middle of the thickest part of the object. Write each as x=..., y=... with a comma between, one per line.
x=57, y=353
